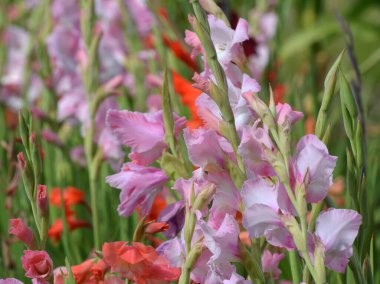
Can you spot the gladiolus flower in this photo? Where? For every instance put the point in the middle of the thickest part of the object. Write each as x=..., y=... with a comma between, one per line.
x=139, y=186
x=189, y=95
x=71, y=196
x=156, y=227
x=37, y=264
x=10, y=281
x=143, y=132
x=18, y=228
x=337, y=229
x=56, y=230
x=138, y=263
x=180, y=52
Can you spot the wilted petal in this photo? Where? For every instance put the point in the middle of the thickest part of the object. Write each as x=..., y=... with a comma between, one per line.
x=337, y=230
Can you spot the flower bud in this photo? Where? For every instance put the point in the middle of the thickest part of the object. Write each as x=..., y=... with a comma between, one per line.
x=21, y=160
x=319, y=263
x=42, y=199
x=156, y=227
x=204, y=197
x=194, y=254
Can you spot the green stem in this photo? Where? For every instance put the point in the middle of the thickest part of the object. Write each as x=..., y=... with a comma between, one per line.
x=295, y=266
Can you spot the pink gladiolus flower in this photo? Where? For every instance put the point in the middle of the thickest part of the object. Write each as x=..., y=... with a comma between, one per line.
x=261, y=215
x=37, y=264
x=337, y=229
x=143, y=132
x=139, y=185
x=312, y=156
x=254, y=140
x=225, y=39
x=18, y=228
x=270, y=263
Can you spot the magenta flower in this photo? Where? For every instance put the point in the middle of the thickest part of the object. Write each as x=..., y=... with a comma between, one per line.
x=139, y=185
x=37, y=264
x=143, y=132
x=19, y=229
x=261, y=216
x=270, y=263
x=337, y=229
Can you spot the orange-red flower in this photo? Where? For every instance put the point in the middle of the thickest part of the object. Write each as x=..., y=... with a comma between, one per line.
x=159, y=204
x=180, y=52
x=138, y=263
x=56, y=230
x=188, y=95
x=71, y=197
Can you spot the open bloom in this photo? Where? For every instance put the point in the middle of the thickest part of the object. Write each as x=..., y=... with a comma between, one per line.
x=143, y=132
x=225, y=39
x=138, y=263
x=337, y=229
x=139, y=186
x=262, y=213
x=37, y=264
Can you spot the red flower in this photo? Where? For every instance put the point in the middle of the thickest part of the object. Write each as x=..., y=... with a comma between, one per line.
x=56, y=230
x=71, y=197
x=188, y=95
x=180, y=52
x=138, y=263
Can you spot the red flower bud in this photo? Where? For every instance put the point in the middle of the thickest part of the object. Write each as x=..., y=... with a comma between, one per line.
x=42, y=199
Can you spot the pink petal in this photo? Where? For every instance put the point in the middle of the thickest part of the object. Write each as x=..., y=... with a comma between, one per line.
x=313, y=156
x=337, y=230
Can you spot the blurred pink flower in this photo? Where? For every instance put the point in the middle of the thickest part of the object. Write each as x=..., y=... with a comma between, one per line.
x=18, y=228
x=270, y=263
